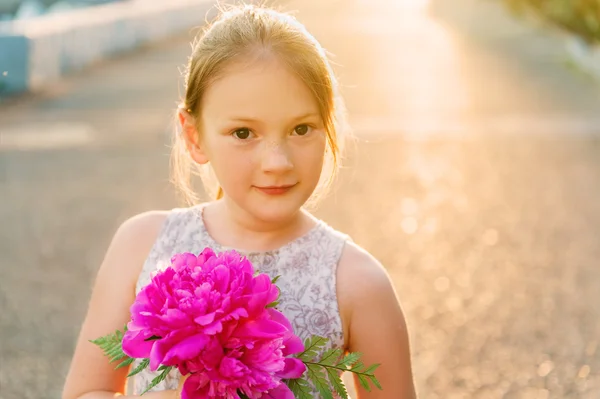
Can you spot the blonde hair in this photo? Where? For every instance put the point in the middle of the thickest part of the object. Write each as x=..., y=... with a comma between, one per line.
x=250, y=31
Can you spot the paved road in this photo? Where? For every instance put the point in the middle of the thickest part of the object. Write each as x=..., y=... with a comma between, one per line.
x=479, y=147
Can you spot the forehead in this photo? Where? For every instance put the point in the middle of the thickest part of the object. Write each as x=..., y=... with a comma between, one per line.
x=264, y=89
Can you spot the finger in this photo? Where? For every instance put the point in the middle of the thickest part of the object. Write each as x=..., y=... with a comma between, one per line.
x=180, y=387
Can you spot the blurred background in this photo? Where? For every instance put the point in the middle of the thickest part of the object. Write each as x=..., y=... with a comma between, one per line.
x=26, y=9
x=475, y=178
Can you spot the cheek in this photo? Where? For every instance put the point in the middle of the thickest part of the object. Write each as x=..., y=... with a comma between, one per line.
x=232, y=164
x=311, y=157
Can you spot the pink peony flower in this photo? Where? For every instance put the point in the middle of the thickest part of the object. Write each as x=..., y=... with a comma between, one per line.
x=207, y=315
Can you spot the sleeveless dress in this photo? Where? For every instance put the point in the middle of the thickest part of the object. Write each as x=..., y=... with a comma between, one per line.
x=307, y=266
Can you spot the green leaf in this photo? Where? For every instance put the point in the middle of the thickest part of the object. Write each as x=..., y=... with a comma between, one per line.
x=356, y=367
x=145, y=363
x=317, y=376
x=112, y=351
x=330, y=357
x=274, y=280
x=312, y=346
x=158, y=379
x=105, y=343
x=300, y=388
x=272, y=304
x=116, y=353
x=111, y=345
x=337, y=383
x=125, y=363
x=350, y=359
x=325, y=372
x=371, y=369
x=364, y=382
x=375, y=381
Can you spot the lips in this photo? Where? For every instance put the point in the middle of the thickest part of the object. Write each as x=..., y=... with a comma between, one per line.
x=275, y=190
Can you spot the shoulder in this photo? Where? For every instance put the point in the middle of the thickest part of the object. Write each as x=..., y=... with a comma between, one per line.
x=363, y=284
x=356, y=267
x=133, y=240
x=359, y=268
x=141, y=229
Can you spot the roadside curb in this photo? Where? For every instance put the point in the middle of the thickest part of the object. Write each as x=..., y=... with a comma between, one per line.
x=37, y=51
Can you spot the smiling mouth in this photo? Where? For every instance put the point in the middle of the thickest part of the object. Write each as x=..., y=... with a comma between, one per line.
x=275, y=190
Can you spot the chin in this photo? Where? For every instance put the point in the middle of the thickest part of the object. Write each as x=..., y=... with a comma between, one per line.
x=274, y=214
x=276, y=209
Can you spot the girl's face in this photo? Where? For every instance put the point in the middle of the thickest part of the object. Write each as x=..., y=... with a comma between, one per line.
x=263, y=135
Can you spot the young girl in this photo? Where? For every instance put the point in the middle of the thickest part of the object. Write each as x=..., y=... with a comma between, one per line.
x=262, y=111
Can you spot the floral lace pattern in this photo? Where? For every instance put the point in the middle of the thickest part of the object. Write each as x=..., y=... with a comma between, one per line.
x=307, y=266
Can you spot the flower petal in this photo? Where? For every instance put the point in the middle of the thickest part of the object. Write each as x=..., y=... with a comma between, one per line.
x=280, y=392
x=263, y=293
x=292, y=345
x=134, y=344
x=183, y=260
x=205, y=319
x=213, y=328
x=280, y=318
x=157, y=354
x=187, y=349
x=236, y=314
x=206, y=254
x=256, y=329
x=162, y=346
x=222, y=277
x=294, y=368
x=175, y=318
x=195, y=387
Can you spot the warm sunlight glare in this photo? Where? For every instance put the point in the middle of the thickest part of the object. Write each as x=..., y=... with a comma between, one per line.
x=421, y=84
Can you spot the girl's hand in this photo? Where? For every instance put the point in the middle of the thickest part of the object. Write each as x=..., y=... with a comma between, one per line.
x=180, y=387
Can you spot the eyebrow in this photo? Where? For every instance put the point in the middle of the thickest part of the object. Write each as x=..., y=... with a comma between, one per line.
x=295, y=119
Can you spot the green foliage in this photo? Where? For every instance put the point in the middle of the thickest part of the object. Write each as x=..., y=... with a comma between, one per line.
x=144, y=363
x=272, y=304
x=325, y=372
x=112, y=348
x=300, y=388
x=275, y=303
x=159, y=378
x=581, y=17
x=111, y=345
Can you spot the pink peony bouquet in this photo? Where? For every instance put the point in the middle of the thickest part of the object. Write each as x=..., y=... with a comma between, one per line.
x=213, y=318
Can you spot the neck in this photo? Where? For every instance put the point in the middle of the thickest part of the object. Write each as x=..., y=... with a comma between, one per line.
x=238, y=229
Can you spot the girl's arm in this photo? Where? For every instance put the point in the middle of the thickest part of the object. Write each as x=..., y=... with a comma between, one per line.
x=375, y=324
x=91, y=376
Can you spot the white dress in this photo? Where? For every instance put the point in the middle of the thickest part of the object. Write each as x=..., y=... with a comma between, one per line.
x=307, y=266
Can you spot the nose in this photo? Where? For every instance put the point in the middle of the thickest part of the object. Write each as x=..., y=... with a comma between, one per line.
x=276, y=158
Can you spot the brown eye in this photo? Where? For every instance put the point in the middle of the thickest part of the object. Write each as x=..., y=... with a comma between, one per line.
x=301, y=130
x=242, y=134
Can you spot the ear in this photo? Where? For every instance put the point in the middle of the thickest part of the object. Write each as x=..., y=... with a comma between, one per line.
x=189, y=131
